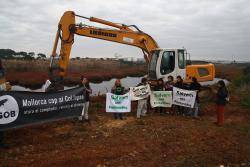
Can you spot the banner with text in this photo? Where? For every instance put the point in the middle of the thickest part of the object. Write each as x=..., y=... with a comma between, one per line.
x=140, y=92
x=183, y=97
x=118, y=103
x=19, y=108
x=161, y=98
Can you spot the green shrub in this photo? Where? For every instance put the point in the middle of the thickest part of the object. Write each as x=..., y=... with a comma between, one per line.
x=243, y=79
x=246, y=102
x=246, y=70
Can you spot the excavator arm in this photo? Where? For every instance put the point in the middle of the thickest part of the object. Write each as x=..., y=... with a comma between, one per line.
x=120, y=33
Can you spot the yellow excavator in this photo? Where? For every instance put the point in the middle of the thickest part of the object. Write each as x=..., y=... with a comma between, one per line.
x=161, y=62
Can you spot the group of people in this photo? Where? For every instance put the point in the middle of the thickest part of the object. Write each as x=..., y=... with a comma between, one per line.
x=168, y=86
x=143, y=105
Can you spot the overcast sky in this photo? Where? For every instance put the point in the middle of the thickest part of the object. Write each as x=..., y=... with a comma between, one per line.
x=209, y=29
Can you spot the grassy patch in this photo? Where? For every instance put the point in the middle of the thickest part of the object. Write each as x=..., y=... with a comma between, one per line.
x=241, y=80
x=243, y=128
x=245, y=102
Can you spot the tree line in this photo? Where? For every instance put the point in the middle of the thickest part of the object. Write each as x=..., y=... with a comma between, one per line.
x=11, y=54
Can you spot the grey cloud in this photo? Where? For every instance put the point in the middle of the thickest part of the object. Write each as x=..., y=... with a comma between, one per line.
x=209, y=29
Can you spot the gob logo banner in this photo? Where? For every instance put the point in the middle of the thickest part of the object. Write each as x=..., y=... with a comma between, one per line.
x=8, y=109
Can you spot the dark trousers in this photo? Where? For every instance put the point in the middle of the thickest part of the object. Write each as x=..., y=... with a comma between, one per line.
x=118, y=115
x=179, y=110
x=1, y=137
x=159, y=109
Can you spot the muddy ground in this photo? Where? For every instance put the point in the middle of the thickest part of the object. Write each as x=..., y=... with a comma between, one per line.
x=155, y=140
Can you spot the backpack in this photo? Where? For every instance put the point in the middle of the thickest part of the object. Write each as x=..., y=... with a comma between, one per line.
x=228, y=96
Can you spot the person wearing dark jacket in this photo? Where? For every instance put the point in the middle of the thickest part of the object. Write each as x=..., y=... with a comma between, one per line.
x=221, y=100
x=169, y=84
x=195, y=86
x=118, y=89
x=179, y=82
x=85, y=113
x=159, y=87
x=142, y=104
x=180, y=110
x=169, y=87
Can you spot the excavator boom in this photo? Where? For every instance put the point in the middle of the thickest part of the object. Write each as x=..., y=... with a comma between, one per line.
x=123, y=34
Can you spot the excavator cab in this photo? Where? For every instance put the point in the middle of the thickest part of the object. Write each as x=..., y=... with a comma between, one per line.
x=173, y=62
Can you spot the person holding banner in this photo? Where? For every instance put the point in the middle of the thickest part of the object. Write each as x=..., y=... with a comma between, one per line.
x=169, y=87
x=55, y=80
x=159, y=87
x=118, y=89
x=179, y=84
x=221, y=100
x=88, y=91
x=170, y=83
x=196, y=86
x=142, y=104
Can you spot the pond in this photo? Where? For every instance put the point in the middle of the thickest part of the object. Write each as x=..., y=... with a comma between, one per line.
x=98, y=88
x=105, y=86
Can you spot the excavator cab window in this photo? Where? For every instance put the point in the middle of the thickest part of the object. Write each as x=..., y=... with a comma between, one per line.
x=167, y=62
x=153, y=64
x=181, y=59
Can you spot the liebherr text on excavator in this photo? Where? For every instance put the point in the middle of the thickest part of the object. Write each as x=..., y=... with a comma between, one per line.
x=161, y=62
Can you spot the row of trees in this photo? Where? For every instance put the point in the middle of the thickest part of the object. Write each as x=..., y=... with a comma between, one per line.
x=11, y=54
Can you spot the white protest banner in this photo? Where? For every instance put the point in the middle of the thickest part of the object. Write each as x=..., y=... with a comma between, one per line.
x=118, y=103
x=139, y=92
x=161, y=98
x=183, y=97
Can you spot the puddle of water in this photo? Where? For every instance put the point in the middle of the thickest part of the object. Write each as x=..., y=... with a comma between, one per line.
x=98, y=88
x=214, y=82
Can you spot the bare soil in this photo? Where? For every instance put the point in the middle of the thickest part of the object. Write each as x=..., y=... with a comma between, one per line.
x=155, y=140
